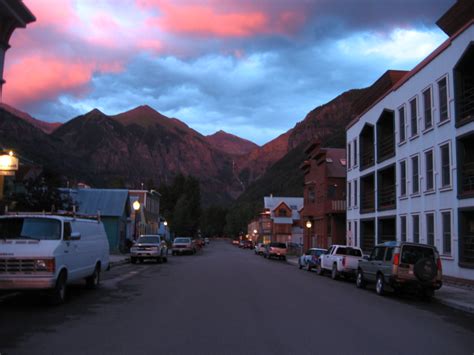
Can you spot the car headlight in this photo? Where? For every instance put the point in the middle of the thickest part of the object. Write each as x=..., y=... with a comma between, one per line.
x=44, y=265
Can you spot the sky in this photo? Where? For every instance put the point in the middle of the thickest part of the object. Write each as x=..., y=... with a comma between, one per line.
x=253, y=68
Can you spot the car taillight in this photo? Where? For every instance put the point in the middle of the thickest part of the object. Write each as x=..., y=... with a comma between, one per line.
x=438, y=263
x=396, y=259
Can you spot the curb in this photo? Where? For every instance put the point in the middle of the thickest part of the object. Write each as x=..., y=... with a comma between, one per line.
x=455, y=305
x=451, y=304
x=119, y=262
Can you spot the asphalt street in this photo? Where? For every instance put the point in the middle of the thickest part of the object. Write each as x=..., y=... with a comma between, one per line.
x=226, y=300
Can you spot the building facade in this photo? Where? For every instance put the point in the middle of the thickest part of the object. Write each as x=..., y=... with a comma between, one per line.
x=147, y=218
x=324, y=212
x=410, y=164
x=284, y=215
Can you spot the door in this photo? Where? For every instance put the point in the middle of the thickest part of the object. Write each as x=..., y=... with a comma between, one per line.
x=375, y=262
x=71, y=253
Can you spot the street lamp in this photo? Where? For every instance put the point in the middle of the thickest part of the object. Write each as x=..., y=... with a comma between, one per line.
x=309, y=224
x=165, y=223
x=136, y=208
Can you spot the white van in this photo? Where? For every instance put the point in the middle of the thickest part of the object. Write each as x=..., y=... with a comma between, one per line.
x=46, y=252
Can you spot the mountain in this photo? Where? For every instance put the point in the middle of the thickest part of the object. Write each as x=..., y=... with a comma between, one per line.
x=141, y=145
x=46, y=127
x=231, y=144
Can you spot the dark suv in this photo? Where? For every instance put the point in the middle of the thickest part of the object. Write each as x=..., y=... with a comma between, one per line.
x=401, y=265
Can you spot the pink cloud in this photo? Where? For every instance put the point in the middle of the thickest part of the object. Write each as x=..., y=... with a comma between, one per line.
x=60, y=14
x=223, y=18
x=37, y=78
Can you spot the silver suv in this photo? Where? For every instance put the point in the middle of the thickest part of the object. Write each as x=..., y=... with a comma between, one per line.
x=149, y=247
x=401, y=265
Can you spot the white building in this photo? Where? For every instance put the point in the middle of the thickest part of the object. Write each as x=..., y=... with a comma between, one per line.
x=411, y=165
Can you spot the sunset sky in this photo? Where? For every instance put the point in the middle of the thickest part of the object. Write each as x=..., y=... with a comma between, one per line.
x=251, y=68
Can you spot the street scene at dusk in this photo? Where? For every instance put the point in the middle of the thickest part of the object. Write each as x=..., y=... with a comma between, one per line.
x=236, y=177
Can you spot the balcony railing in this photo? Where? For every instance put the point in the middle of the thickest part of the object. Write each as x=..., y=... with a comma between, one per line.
x=467, y=178
x=335, y=206
x=387, y=197
x=466, y=102
x=367, y=158
x=367, y=201
x=386, y=147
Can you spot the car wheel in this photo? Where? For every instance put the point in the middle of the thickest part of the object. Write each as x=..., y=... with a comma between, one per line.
x=93, y=281
x=58, y=294
x=380, y=285
x=334, y=273
x=319, y=270
x=360, y=282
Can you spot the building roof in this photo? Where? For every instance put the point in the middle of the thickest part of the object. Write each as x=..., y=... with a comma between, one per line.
x=15, y=9
x=456, y=17
x=294, y=203
x=335, y=162
x=110, y=202
x=283, y=220
x=405, y=78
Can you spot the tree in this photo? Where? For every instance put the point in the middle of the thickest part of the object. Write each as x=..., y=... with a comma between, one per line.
x=213, y=220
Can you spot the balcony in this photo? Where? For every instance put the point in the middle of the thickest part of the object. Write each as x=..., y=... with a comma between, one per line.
x=466, y=238
x=466, y=166
x=386, y=191
x=367, y=194
x=367, y=235
x=464, y=87
x=387, y=231
x=366, y=151
x=385, y=136
x=335, y=206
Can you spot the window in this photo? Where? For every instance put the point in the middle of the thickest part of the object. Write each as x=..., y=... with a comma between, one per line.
x=443, y=99
x=388, y=255
x=427, y=108
x=349, y=194
x=311, y=195
x=429, y=170
x=355, y=233
x=281, y=212
x=401, y=124
x=349, y=156
x=446, y=220
x=378, y=253
x=355, y=152
x=355, y=193
x=413, y=117
x=415, y=187
x=416, y=228
x=430, y=228
x=445, y=166
x=403, y=228
x=403, y=178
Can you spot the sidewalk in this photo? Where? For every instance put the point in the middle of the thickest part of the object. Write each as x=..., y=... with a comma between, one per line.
x=118, y=259
x=459, y=298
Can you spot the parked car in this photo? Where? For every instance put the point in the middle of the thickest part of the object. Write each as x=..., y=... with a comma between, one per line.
x=259, y=248
x=149, y=247
x=247, y=244
x=183, y=246
x=340, y=260
x=401, y=265
x=235, y=242
x=275, y=249
x=310, y=259
x=46, y=253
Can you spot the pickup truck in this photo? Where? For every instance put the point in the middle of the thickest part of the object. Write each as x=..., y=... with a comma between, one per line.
x=340, y=260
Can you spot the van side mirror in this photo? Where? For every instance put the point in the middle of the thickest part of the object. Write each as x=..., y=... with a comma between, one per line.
x=75, y=236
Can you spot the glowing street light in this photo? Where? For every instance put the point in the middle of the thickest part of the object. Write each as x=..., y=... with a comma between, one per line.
x=136, y=208
x=309, y=224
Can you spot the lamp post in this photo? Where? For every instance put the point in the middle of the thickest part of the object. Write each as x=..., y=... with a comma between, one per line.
x=136, y=208
x=8, y=165
x=309, y=225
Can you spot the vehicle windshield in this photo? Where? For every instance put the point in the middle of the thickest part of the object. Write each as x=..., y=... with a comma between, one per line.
x=348, y=251
x=30, y=228
x=149, y=240
x=412, y=253
x=182, y=240
x=278, y=245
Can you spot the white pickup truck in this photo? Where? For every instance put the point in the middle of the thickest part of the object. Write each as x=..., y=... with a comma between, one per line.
x=340, y=260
